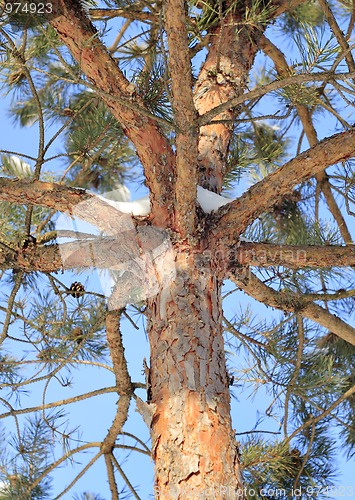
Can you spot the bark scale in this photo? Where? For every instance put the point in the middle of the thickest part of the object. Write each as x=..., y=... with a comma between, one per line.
x=193, y=442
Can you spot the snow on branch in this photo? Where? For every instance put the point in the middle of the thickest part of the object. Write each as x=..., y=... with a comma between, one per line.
x=64, y=198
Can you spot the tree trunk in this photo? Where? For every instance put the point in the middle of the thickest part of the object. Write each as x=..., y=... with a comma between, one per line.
x=193, y=443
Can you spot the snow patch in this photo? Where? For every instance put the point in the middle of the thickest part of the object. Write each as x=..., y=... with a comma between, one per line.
x=138, y=207
x=119, y=199
x=210, y=201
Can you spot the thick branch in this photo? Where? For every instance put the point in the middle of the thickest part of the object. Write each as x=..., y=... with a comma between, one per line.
x=45, y=194
x=293, y=302
x=46, y=259
x=185, y=116
x=100, y=253
x=79, y=35
x=77, y=202
x=236, y=216
x=119, y=253
x=295, y=257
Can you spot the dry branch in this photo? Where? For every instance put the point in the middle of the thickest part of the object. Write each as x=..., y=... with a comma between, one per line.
x=123, y=382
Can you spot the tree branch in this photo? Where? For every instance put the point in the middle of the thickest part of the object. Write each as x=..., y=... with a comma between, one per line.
x=323, y=414
x=236, y=216
x=128, y=13
x=328, y=76
x=45, y=194
x=334, y=209
x=111, y=476
x=305, y=116
x=293, y=302
x=79, y=475
x=46, y=259
x=118, y=253
x=123, y=380
x=185, y=116
x=153, y=148
x=63, y=458
x=285, y=5
x=339, y=35
x=114, y=339
x=295, y=256
x=56, y=404
x=124, y=476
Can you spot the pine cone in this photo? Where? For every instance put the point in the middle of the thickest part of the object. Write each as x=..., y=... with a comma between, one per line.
x=76, y=290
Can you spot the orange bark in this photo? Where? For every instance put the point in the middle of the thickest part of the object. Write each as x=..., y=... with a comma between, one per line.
x=223, y=77
x=194, y=447
x=153, y=148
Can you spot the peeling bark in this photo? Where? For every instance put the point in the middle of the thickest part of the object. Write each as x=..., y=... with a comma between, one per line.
x=194, y=447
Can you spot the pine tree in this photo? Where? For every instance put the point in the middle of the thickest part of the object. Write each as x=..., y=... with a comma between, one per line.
x=236, y=119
